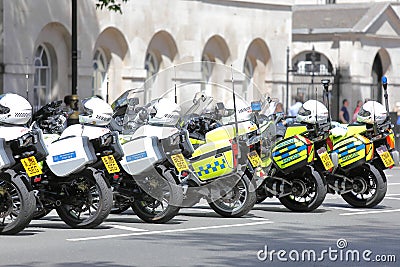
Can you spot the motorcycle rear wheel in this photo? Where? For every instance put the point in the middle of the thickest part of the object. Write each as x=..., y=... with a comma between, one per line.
x=375, y=186
x=313, y=193
x=158, y=210
x=238, y=201
x=90, y=205
x=17, y=205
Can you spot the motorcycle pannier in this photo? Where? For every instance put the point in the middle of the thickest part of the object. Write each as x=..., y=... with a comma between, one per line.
x=141, y=154
x=70, y=155
x=292, y=153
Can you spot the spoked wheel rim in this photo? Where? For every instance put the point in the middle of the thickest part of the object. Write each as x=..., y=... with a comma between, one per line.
x=159, y=200
x=234, y=199
x=86, y=198
x=10, y=203
x=303, y=191
x=364, y=188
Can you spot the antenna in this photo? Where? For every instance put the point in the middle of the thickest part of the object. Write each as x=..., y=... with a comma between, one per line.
x=234, y=103
x=176, y=96
x=27, y=78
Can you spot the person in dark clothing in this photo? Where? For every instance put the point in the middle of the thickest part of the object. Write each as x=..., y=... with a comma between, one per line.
x=344, y=116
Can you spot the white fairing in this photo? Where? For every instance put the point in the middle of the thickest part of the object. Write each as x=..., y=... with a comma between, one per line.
x=150, y=130
x=10, y=133
x=85, y=130
x=140, y=155
x=70, y=155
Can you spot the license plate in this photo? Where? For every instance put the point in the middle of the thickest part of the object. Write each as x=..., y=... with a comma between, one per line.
x=385, y=156
x=110, y=163
x=255, y=160
x=180, y=162
x=326, y=160
x=31, y=166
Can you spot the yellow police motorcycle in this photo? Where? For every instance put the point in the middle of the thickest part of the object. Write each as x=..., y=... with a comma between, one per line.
x=364, y=150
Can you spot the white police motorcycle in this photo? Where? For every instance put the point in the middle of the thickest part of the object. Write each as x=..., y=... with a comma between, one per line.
x=20, y=149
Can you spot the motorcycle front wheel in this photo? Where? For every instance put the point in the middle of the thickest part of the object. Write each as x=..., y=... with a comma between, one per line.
x=156, y=208
x=369, y=187
x=238, y=201
x=308, y=191
x=17, y=205
x=89, y=201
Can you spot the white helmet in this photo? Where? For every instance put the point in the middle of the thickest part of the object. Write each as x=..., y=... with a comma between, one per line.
x=371, y=112
x=95, y=111
x=165, y=112
x=312, y=111
x=14, y=109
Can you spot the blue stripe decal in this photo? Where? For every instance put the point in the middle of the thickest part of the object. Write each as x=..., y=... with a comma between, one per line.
x=301, y=148
x=65, y=156
x=136, y=156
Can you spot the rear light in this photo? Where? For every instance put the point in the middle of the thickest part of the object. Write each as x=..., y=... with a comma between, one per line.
x=37, y=179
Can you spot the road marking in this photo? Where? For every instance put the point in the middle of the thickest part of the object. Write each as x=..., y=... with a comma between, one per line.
x=343, y=208
x=394, y=184
x=170, y=231
x=392, y=198
x=127, y=228
x=256, y=219
x=392, y=195
x=369, y=212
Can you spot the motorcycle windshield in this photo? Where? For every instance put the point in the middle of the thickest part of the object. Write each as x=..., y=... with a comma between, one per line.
x=191, y=90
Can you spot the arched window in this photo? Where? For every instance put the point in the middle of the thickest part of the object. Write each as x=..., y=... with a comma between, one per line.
x=42, y=78
x=99, y=79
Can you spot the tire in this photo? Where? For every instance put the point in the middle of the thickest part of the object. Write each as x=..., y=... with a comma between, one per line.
x=375, y=190
x=311, y=195
x=17, y=205
x=154, y=210
x=86, y=192
x=243, y=193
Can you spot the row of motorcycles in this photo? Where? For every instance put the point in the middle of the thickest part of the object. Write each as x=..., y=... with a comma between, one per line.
x=164, y=155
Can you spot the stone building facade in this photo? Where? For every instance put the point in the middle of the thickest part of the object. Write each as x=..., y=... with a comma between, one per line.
x=119, y=51
x=352, y=45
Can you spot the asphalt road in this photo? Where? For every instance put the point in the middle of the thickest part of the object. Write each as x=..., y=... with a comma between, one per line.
x=333, y=235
